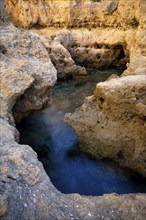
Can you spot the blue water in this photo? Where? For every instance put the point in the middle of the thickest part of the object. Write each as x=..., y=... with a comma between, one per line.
x=57, y=146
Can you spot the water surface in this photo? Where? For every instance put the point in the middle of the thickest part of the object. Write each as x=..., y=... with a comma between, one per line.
x=57, y=147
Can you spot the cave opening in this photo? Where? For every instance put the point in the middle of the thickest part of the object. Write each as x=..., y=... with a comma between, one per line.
x=100, y=55
x=121, y=54
x=57, y=146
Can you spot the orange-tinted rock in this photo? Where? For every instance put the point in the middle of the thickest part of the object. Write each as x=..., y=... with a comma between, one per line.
x=72, y=13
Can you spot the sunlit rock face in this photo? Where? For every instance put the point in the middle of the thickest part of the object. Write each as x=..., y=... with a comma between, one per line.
x=77, y=13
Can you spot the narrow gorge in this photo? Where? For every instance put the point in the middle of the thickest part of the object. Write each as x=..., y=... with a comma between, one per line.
x=73, y=109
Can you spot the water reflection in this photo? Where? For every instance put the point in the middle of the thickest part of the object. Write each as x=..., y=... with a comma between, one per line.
x=57, y=148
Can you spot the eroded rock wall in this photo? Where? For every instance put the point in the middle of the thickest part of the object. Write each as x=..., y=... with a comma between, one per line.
x=63, y=61
x=111, y=124
x=23, y=53
x=26, y=190
x=98, y=48
x=42, y=59
x=77, y=13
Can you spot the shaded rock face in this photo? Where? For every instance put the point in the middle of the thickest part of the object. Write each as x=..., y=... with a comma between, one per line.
x=2, y=12
x=98, y=56
x=77, y=13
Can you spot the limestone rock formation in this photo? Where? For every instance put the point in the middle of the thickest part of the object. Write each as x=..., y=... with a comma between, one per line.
x=124, y=145
x=77, y=13
x=26, y=190
x=62, y=60
x=98, y=48
x=118, y=128
x=111, y=123
x=24, y=54
x=27, y=76
x=31, y=55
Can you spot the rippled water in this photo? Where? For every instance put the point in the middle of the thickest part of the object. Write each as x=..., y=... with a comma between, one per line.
x=57, y=146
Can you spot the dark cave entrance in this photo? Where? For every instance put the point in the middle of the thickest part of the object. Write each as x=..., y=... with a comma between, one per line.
x=100, y=56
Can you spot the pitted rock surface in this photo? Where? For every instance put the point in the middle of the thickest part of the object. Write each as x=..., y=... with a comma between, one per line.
x=24, y=55
x=77, y=13
x=111, y=123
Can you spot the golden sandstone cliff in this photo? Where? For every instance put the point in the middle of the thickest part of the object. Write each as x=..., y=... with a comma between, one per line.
x=77, y=13
x=111, y=122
